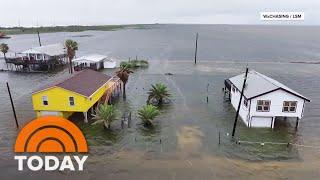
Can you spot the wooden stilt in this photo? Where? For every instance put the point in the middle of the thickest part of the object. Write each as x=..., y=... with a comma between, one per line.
x=85, y=114
x=297, y=123
x=92, y=112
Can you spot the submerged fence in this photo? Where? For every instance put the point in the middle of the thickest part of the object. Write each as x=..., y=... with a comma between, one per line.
x=239, y=142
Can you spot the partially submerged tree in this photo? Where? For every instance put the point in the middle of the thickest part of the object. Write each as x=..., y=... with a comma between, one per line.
x=105, y=114
x=4, y=48
x=147, y=113
x=123, y=73
x=72, y=47
x=134, y=64
x=158, y=93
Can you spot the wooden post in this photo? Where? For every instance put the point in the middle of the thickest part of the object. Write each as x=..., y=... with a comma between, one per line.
x=92, y=111
x=297, y=123
x=129, y=120
x=85, y=114
x=110, y=97
x=12, y=105
x=207, y=92
x=196, y=51
x=239, y=105
x=39, y=37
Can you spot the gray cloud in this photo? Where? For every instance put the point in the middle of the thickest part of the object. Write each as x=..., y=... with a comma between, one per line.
x=92, y=12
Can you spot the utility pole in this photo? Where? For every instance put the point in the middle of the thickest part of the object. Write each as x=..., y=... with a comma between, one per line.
x=239, y=105
x=207, y=92
x=12, y=105
x=196, y=51
x=39, y=37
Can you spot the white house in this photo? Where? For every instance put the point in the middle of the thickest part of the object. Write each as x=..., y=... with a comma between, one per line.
x=93, y=61
x=265, y=100
x=46, y=53
x=42, y=58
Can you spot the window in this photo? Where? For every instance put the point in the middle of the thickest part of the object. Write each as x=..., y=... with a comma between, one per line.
x=71, y=101
x=45, y=100
x=289, y=106
x=245, y=102
x=263, y=105
x=39, y=56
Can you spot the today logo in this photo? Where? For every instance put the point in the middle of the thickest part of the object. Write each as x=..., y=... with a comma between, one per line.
x=50, y=134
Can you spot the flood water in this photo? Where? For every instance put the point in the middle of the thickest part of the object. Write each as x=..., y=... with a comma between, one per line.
x=184, y=144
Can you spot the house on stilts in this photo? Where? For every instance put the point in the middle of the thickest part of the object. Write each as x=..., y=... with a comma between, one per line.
x=82, y=92
x=265, y=100
x=42, y=58
x=93, y=61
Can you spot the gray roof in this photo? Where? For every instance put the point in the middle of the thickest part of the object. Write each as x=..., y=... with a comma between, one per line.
x=258, y=84
x=51, y=50
x=91, y=58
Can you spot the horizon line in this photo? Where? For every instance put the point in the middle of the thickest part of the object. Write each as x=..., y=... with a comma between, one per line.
x=129, y=24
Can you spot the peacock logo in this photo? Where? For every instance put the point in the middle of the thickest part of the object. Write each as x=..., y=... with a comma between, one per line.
x=50, y=134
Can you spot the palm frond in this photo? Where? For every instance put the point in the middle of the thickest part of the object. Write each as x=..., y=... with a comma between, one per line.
x=147, y=113
x=158, y=92
x=105, y=113
x=4, y=48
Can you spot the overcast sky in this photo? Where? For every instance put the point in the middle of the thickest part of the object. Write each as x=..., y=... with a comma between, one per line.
x=98, y=12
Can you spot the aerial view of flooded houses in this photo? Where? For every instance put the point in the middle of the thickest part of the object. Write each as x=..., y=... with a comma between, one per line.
x=163, y=101
x=91, y=89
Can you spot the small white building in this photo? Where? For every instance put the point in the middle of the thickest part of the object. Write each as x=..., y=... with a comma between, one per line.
x=265, y=100
x=93, y=61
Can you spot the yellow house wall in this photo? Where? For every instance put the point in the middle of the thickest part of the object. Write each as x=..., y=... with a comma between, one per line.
x=58, y=100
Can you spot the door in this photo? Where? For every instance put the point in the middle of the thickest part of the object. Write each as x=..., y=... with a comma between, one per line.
x=261, y=122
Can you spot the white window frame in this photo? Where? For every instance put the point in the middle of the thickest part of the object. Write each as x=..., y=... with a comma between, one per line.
x=289, y=106
x=263, y=105
x=71, y=101
x=45, y=98
x=233, y=89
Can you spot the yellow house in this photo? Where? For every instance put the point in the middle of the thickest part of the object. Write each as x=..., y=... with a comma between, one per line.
x=79, y=93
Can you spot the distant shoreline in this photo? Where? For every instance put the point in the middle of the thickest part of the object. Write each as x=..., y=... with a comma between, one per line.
x=301, y=62
x=73, y=28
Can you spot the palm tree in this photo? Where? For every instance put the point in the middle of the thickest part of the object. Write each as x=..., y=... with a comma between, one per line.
x=123, y=73
x=147, y=113
x=105, y=114
x=72, y=47
x=158, y=92
x=4, y=48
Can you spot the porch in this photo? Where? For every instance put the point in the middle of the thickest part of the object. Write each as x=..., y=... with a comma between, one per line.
x=29, y=64
x=109, y=97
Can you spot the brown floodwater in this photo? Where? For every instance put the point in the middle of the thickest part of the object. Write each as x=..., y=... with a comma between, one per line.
x=188, y=128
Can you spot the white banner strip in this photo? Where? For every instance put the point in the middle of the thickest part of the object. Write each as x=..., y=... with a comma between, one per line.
x=282, y=16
